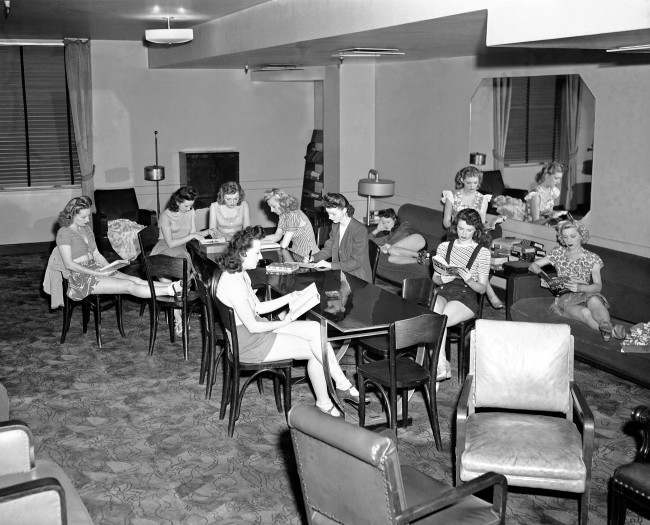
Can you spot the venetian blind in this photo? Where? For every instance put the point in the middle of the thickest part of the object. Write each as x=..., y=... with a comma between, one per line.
x=37, y=94
x=534, y=126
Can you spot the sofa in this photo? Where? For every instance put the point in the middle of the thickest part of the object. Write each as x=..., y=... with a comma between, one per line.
x=429, y=223
x=626, y=284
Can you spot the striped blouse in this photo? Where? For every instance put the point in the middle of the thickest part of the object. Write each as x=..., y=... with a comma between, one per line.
x=303, y=241
x=460, y=257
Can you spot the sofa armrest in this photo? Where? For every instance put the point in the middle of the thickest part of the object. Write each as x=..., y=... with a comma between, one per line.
x=16, y=447
x=44, y=502
x=454, y=495
x=464, y=409
x=147, y=217
x=586, y=419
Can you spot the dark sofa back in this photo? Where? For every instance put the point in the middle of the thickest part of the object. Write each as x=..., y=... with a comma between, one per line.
x=626, y=284
x=425, y=220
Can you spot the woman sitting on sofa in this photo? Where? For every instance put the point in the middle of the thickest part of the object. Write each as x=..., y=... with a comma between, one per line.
x=545, y=194
x=457, y=292
x=398, y=239
x=467, y=196
x=580, y=269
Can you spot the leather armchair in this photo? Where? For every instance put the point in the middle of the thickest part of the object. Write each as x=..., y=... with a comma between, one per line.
x=351, y=475
x=521, y=374
x=630, y=484
x=117, y=204
x=34, y=491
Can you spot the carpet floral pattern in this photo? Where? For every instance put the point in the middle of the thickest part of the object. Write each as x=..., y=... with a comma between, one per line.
x=143, y=445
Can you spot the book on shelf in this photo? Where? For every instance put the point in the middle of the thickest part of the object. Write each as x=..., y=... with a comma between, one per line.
x=303, y=301
x=441, y=266
x=114, y=266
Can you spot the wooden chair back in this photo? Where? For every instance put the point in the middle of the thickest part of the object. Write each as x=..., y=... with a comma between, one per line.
x=373, y=255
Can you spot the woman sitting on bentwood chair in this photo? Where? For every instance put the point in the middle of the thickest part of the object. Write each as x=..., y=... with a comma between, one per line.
x=457, y=294
x=347, y=246
x=76, y=243
x=294, y=227
x=264, y=340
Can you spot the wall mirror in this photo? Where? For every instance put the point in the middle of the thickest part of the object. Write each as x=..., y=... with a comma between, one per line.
x=521, y=123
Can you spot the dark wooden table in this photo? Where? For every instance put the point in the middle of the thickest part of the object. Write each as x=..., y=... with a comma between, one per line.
x=350, y=307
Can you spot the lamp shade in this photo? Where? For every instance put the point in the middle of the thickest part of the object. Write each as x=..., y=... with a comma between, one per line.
x=376, y=188
x=169, y=36
x=154, y=172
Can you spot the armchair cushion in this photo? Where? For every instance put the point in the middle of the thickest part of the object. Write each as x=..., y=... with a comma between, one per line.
x=539, y=360
x=543, y=450
x=636, y=475
x=38, y=502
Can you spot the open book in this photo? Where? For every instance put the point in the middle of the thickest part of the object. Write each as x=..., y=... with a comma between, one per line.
x=556, y=285
x=441, y=266
x=114, y=266
x=303, y=301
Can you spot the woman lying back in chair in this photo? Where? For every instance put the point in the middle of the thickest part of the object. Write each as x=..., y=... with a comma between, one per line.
x=264, y=340
x=76, y=243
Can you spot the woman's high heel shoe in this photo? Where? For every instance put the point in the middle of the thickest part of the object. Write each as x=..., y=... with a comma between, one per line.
x=605, y=331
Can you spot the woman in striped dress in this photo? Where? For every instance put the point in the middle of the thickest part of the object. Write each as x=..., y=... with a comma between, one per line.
x=457, y=294
x=293, y=225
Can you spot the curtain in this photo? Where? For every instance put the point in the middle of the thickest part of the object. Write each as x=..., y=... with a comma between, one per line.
x=78, y=74
x=502, y=94
x=571, y=127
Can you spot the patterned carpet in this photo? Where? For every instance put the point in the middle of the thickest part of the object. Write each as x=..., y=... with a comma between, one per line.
x=143, y=446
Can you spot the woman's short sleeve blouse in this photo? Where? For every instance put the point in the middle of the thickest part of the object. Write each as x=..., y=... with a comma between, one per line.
x=78, y=245
x=578, y=270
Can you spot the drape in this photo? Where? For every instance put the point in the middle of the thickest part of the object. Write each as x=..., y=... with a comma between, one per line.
x=571, y=98
x=78, y=74
x=502, y=95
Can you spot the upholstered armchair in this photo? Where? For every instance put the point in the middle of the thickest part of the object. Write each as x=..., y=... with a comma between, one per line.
x=349, y=474
x=517, y=407
x=34, y=491
x=630, y=484
x=117, y=204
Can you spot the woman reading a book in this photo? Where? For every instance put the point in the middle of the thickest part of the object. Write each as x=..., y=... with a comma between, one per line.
x=461, y=268
x=398, y=240
x=466, y=196
x=347, y=246
x=545, y=194
x=230, y=213
x=580, y=270
x=294, y=227
x=76, y=243
x=264, y=340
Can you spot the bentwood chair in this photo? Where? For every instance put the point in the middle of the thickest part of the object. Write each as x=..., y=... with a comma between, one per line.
x=234, y=368
x=630, y=484
x=516, y=410
x=373, y=256
x=459, y=334
x=352, y=475
x=399, y=373
x=95, y=303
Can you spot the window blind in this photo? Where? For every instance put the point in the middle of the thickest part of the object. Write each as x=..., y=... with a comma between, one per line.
x=36, y=104
x=534, y=126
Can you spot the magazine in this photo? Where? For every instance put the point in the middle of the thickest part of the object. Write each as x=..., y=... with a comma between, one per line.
x=303, y=301
x=114, y=266
x=441, y=266
x=556, y=285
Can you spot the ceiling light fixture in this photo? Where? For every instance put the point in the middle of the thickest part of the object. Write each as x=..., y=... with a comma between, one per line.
x=367, y=52
x=641, y=48
x=278, y=67
x=169, y=36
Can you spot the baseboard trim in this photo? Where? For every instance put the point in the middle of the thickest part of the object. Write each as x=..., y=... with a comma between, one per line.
x=26, y=248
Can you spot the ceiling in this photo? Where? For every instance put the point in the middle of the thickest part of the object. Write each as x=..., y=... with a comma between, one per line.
x=463, y=34
x=109, y=19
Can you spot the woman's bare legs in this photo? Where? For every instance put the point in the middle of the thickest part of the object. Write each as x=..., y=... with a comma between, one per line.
x=121, y=285
x=492, y=297
x=301, y=340
x=595, y=314
x=456, y=312
x=405, y=250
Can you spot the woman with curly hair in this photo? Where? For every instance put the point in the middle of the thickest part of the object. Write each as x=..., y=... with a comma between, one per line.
x=545, y=195
x=76, y=243
x=581, y=270
x=230, y=213
x=457, y=293
x=264, y=340
x=294, y=227
x=398, y=240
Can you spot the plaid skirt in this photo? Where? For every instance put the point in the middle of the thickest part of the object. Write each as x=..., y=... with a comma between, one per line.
x=81, y=285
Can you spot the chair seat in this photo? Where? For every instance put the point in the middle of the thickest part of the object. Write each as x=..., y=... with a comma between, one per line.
x=420, y=488
x=77, y=513
x=530, y=450
x=634, y=476
x=253, y=365
x=409, y=373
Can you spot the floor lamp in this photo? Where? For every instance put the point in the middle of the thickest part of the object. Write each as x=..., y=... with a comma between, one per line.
x=155, y=173
x=373, y=186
